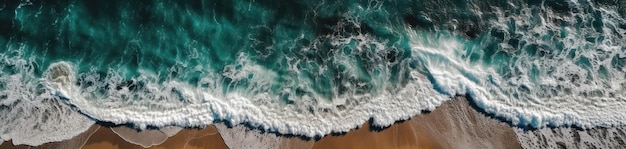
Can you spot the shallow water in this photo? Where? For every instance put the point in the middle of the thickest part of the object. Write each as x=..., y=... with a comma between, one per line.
x=305, y=67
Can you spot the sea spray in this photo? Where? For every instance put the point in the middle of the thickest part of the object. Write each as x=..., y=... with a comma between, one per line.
x=307, y=68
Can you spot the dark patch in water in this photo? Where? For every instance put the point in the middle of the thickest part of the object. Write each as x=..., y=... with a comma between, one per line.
x=559, y=6
x=417, y=22
x=131, y=85
x=471, y=30
x=326, y=25
x=7, y=15
x=376, y=128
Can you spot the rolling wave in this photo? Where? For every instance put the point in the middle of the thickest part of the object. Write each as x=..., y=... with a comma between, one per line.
x=307, y=68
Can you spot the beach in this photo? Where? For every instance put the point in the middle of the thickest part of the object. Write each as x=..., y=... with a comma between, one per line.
x=455, y=124
x=452, y=125
x=313, y=74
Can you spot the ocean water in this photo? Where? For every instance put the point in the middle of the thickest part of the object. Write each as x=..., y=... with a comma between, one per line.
x=304, y=67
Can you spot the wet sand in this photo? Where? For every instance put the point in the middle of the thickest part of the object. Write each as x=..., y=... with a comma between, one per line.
x=402, y=135
x=75, y=142
x=453, y=125
x=99, y=137
x=186, y=138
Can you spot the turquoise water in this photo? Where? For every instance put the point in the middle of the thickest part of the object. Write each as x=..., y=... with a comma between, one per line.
x=278, y=64
x=174, y=39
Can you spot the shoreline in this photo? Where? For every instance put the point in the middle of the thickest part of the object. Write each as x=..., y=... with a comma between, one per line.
x=452, y=121
x=454, y=124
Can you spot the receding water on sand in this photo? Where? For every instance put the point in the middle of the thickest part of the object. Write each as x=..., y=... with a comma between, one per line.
x=305, y=68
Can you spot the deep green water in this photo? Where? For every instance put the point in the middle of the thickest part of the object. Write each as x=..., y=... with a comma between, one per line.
x=533, y=63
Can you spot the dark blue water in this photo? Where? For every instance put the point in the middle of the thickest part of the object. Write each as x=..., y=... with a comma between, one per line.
x=309, y=67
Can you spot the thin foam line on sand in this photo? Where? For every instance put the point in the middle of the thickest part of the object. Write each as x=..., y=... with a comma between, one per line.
x=452, y=125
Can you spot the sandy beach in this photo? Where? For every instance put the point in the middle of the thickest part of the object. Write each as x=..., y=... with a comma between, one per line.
x=452, y=125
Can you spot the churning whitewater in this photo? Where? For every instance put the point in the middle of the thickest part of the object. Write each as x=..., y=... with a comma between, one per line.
x=304, y=67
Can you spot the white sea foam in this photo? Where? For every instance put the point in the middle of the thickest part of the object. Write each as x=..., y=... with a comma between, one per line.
x=258, y=111
x=144, y=138
x=29, y=114
x=174, y=103
x=586, y=90
x=240, y=137
x=527, y=100
x=572, y=138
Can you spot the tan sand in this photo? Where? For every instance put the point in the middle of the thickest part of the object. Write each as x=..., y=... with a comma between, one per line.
x=241, y=137
x=456, y=125
x=452, y=125
x=75, y=142
x=402, y=135
x=145, y=138
x=186, y=138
